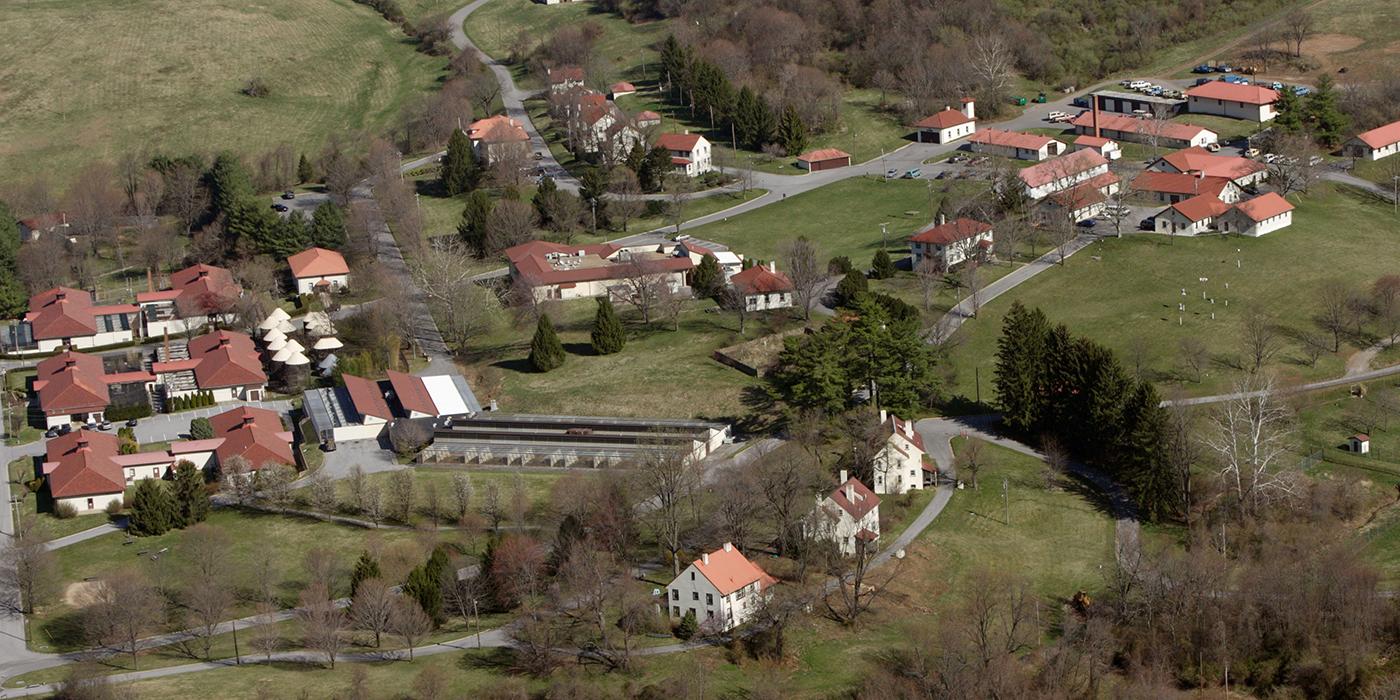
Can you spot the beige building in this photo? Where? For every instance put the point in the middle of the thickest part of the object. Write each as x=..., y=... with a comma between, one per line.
x=722, y=589
x=949, y=244
x=901, y=465
x=557, y=271
x=846, y=516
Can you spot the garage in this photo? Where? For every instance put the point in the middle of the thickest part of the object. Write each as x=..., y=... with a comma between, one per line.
x=823, y=159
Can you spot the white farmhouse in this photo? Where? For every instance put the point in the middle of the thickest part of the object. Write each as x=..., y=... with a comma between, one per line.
x=763, y=288
x=1190, y=217
x=846, y=516
x=318, y=269
x=949, y=244
x=1251, y=102
x=690, y=153
x=722, y=588
x=901, y=465
x=1378, y=143
x=948, y=125
x=1255, y=217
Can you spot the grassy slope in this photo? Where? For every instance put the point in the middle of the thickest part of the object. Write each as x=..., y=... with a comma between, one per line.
x=1121, y=289
x=99, y=79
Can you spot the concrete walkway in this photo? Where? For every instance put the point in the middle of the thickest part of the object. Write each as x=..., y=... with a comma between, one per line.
x=956, y=316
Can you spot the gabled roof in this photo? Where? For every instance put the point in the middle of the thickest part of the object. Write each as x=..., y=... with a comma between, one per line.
x=64, y=312
x=564, y=73
x=904, y=429
x=728, y=570
x=1234, y=92
x=497, y=129
x=823, y=154
x=318, y=262
x=1069, y=165
x=1180, y=183
x=1199, y=160
x=759, y=279
x=622, y=87
x=197, y=290
x=412, y=393
x=45, y=222
x=953, y=231
x=1381, y=136
x=947, y=118
x=223, y=359
x=1092, y=141
x=1200, y=207
x=366, y=396
x=1180, y=131
x=647, y=115
x=71, y=382
x=255, y=434
x=1010, y=139
x=1265, y=206
x=532, y=262
x=862, y=500
x=82, y=465
x=683, y=143
x=1085, y=193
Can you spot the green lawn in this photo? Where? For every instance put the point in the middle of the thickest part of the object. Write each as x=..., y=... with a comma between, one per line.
x=842, y=218
x=145, y=76
x=1124, y=292
x=539, y=487
x=284, y=540
x=1228, y=129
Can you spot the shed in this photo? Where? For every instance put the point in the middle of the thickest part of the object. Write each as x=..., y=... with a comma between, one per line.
x=1359, y=443
x=823, y=159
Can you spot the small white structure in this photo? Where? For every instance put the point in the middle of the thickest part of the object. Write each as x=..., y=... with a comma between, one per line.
x=1190, y=217
x=1359, y=443
x=1108, y=148
x=318, y=269
x=690, y=153
x=1044, y=179
x=1378, y=143
x=1266, y=213
x=948, y=125
x=949, y=244
x=901, y=465
x=1250, y=102
x=1015, y=144
x=722, y=588
x=764, y=287
x=848, y=515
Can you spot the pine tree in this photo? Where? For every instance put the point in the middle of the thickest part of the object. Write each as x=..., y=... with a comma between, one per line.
x=284, y=236
x=191, y=498
x=1290, y=119
x=152, y=510
x=1328, y=122
x=792, y=132
x=229, y=183
x=459, y=166
x=708, y=278
x=688, y=626
x=654, y=168
x=305, y=173
x=12, y=294
x=542, y=197
x=850, y=288
x=882, y=267
x=1020, y=360
x=608, y=336
x=328, y=226
x=472, y=227
x=366, y=568
x=546, y=352
x=1141, y=458
x=812, y=371
x=593, y=185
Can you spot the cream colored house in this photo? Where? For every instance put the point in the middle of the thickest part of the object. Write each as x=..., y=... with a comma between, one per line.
x=948, y=125
x=901, y=465
x=722, y=588
x=557, y=271
x=846, y=516
x=948, y=244
x=763, y=287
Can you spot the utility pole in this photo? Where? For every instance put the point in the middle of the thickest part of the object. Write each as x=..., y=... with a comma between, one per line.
x=1006, y=498
x=237, y=658
x=884, y=231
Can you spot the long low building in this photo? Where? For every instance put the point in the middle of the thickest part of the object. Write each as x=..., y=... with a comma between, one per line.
x=1168, y=134
x=568, y=441
x=362, y=408
x=556, y=271
x=1015, y=144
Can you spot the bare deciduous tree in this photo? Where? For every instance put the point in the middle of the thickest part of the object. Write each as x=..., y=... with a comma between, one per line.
x=930, y=277
x=1298, y=27
x=803, y=267
x=624, y=188
x=1193, y=356
x=669, y=478
x=209, y=594
x=28, y=573
x=855, y=588
x=969, y=461
x=641, y=283
x=125, y=608
x=321, y=622
x=371, y=607
x=461, y=496
x=510, y=223
x=1250, y=435
x=1261, y=339
x=409, y=623
x=787, y=477
x=993, y=62
x=401, y=493
x=1337, y=301
x=265, y=637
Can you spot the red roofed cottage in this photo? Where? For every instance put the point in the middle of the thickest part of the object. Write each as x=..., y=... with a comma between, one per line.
x=558, y=271
x=1252, y=102
x=690, y=153
x=1266, y=213
x=319, y=269
x=64, y=316
x=1015, y=144
x=948, y=125
x=1377, y=143
x=950, y=243
x=823, y=159
x=847, y=516
x=722, y=589
x=763, y=287
x=902, y=464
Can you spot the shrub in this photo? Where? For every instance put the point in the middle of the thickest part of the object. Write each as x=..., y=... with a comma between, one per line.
x=201, y=429
x=114, y=508
x=64, y=511
x=127, y=412
x=35, y=484
x=688, y=626
x=256, y=87
x=882, y=267
x=840, y=265
x=409, y=436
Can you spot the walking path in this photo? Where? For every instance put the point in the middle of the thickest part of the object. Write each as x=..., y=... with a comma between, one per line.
x=965, y=309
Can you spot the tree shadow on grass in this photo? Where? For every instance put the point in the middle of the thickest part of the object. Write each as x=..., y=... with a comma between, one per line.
x=66, y=632
x=1101, y=502
x=581, y=349
x=519, y=364
x=495, y=659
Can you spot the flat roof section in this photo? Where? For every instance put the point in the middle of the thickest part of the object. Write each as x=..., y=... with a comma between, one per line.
x=445, y=395
x=1139, y=97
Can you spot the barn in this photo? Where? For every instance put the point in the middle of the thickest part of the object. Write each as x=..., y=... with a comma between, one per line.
x=823, y=159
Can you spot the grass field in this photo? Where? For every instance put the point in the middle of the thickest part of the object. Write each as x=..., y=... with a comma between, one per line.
x=1123, y=292
x=95, y=80
x=283, y=540
x=538, y=488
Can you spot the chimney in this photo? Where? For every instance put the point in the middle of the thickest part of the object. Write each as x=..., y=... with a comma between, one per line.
x=968, y=109
x=69, y=361
x=728, y=546
x=82, y=440
x=705, y=558
x=1094, y=105
x=60, y=295
x=202, y=273
x=883, y=416
x=850, y=493
x=909, y=428
x=150, y=281
x=942, y=218
x=772, y=266
x=843, y=477
x=248, y=419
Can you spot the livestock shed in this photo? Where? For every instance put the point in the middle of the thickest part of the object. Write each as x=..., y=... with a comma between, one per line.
x=567, y=441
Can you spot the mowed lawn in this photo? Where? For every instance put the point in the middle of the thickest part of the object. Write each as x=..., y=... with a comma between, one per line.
x=1124, y=293
x=82, y=80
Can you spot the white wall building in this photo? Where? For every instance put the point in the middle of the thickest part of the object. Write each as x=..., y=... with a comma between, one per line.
x=690, y=153
x=901, y=465
x=1015, y=144
x=722, y=588
x=845, y=516
x=1056, y=174
x=951, y=243
x=764, y=287
x=1380, y=142
x=948, y=125
x=1258, y=216
x=1250, y=102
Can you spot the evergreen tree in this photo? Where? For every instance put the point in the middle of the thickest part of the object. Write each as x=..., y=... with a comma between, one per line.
x=593, y=185
x=542, y=197
x=366, y=568
x=546, y=352
x=305, y=173
x=328, y=226
x=472, y=227
x=1290, y=119
x=1020, y=360
x=459, y=166
x=13, y=299
x=569, y=533
x=708, y=278
x=792, y=132
x=812, y=371
x=229, y=183
x=246, y=220
x=850, y=288
x=882, y=267
x=1105, y=390
x=152, y=510
x=191, y=498
x=688, y=626
x=1329, y=124
x=426, y=590
x=1141, y=460
x=754, y=122
x=636, y=157
x=608, y=336
x=284, y=236
x=889, y=356
x=654, y=168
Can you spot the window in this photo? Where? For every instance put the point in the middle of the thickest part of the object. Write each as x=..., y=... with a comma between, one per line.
x=709, y=614
x=676, y=610
x=675, y=594
x=692, y=576
x=695, y=595
x=89, y=506
x=709, y=599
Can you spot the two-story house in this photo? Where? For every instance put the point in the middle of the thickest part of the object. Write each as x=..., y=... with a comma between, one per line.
x=847, y=516
x=901, y=465
x=948, y=244
x=722, y=588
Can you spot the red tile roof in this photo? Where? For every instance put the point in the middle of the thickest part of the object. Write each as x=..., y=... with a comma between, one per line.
x=682, y=143
x=864, y=501
x=531, y=264
x=1179, y=183
x=224, y=359
x=69, y=383
x=198, y=290
x=1010, y=139
x=45, y=222
x=647, y=115
x=318, y=262
x=955, y=230
x=947, y=118
x=1265, y=206
x=761, y=280
x=1199, y=160
x=1232, y=92
x=822, y=154
x=1092, y=141
x=1201, y=207
x=255, y=434
x=559, y=74
x=622, y=87
x=1062, y=167
x=729, y=570
x=497, y=129
x=367, y=397
x=64, y=312
x=82, y=465
x=1085, y=193
x=1180, y=131
x=897, y=425
x=412, y=393
x=1381, y=136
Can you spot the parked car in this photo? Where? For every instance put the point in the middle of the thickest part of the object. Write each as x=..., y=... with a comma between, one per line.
x=912, y=173
x=51, y=432
x=65, y=428
x=131, y=423
x=104, y=425
x=1301, y=90
x=1202, y=81
x=90, y=426
x=1276, y=85
x=289, y=195
x=1138, y=84
x=279, y=207
x=1056, y=116
x=1203, y=68
x=1315, y=160
x=891, y=174
x=1213, y=147
x=1270, y=158
x=539, y=155
x=1080, y=102
x=1146, y=224
x=1251, y=153
x=1087, y=223
x=1222, y=68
